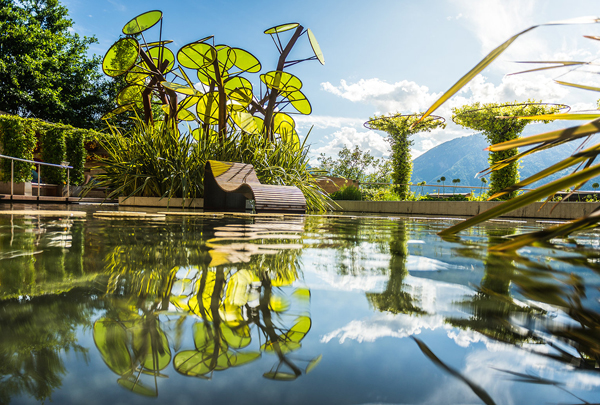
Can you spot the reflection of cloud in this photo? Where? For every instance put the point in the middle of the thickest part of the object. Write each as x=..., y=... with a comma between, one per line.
x=384, y=325
x=420, y=263
x=434, y=297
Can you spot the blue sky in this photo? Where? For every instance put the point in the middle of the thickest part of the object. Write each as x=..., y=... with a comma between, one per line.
x=381, y=56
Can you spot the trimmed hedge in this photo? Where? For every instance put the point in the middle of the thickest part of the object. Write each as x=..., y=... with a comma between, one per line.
x=57, y=143
x=17, y=139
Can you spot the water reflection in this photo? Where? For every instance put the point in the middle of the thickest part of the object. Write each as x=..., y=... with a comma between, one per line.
x=395, y=298
x=238, y=289
x=159, y=303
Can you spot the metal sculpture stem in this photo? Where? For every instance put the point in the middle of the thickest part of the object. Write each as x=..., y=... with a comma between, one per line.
x=274, y=92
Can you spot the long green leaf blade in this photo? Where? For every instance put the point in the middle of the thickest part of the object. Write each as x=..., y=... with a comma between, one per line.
x=565, y=116
x=579, y=86
x=567, y=134
x=525, y=199
x=547, y=234
x=563, y=164
x=491, y=57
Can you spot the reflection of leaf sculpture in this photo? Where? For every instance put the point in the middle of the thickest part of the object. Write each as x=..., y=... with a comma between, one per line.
x=110, y=338
x=132, y=345
x=226, y=98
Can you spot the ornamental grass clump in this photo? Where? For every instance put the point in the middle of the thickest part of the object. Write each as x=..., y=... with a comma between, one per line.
x=159, y=160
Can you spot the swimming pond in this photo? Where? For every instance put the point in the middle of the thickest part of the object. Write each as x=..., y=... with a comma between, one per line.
x=293, y=310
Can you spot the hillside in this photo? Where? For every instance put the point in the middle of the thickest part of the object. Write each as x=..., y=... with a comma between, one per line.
x=463, y=157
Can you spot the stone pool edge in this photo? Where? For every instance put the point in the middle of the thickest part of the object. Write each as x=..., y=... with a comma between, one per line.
x=565, y=210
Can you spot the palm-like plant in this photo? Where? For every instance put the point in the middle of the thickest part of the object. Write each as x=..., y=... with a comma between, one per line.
x=582, y=161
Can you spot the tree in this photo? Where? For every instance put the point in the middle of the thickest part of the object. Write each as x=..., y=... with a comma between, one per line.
x=400, y=128
x=455, y=181
x=44, y=70
x=489, y=118
x=357, y=165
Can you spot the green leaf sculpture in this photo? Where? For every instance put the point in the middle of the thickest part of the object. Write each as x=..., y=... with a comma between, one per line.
x=223, y=98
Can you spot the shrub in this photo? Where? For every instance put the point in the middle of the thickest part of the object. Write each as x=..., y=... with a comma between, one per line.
x=380, y=194
x=346, y=193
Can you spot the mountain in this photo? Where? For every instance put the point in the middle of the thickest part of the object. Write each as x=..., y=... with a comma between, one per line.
x=462, y=158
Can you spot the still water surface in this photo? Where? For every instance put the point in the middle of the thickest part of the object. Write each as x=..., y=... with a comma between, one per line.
x=293, y=310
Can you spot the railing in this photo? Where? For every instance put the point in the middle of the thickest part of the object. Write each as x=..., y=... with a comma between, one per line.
x=65, y=165
x=437, y=186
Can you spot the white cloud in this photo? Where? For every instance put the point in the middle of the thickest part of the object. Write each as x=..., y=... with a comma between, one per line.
x=323, y=121
x=408, y=97
x=449, y=18
x=350, y=137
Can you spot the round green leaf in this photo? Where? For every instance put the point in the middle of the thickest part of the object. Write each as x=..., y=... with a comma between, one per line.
x=207, y=108
x=283, y=123
x=242, y=96
x=137, y=75
x=242, y=358
x=110, y=339
x=130, y=94
x=180, y=88
x=313, y=363
x=244, y=121
x=282, y=81
x=157, y=43
x=315, y=46
x=135, y=385
x=117, y=111
x=207, y=75
x=188, y=102
x=236, y=82
x=159, y=54
x=120, y=57
x=196, y=55
x=151, y=345
x=182, y=115
x=299, y=101
x=192, y=363
x=280, y=376
x=245, y=61
x=281, y=28
x=260, y=125
x=142, y=22
x=226, y=57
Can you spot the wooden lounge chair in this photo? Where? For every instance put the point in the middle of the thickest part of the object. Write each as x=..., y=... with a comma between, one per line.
x=228, y=185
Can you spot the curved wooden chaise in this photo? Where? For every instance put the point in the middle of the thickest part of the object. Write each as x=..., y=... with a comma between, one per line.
x=228, y=185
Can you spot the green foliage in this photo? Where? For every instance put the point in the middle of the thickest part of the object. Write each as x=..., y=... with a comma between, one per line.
x=485, y=118
x=157, y=160
x=346, y=193
x=356, y=165
x=399, y=129
x=379, y=194
x=53, y=148
x=57, y=142
x=44, y=70
x=76, y=153
x=17, y=139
